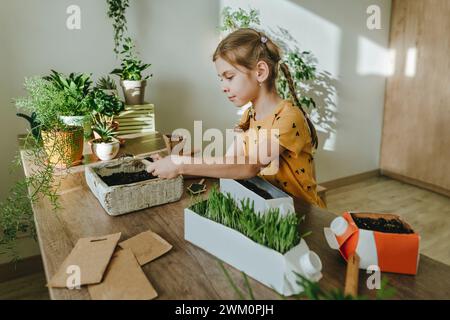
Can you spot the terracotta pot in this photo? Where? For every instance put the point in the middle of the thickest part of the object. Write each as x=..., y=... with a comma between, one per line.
x=64, y=148
x=133, y=91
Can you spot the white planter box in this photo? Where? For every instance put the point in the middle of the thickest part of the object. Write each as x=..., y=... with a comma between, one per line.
x=265, y=265
x=121, y=199
x=239, y=192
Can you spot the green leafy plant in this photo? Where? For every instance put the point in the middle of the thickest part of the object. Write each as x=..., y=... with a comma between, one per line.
x=271, y=229
x=237, y=19
x=300, y=62
x=131, y=67
x=44, y=100
x=105, y=131
x=75, y=89
x=106, y=83
x=116, y=12
x=103, y=107
x=311, y=290
x=34, y=123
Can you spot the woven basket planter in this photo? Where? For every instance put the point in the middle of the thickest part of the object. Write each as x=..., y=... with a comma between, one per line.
x=121, y=199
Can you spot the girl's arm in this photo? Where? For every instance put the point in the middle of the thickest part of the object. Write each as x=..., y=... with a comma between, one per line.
x=219, y=167
x=229, y=167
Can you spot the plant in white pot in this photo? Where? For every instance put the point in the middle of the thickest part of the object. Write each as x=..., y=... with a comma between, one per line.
x=106, y=146
x=132, y=81
x=103, y=107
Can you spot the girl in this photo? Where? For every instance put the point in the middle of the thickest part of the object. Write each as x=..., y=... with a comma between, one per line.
x=248, y=64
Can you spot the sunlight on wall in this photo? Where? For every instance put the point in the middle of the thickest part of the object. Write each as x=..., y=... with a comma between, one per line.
x=411, y=62
x=373, y=59
x=324, y=42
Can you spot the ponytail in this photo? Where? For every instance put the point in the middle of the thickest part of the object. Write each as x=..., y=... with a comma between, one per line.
x=287, y=74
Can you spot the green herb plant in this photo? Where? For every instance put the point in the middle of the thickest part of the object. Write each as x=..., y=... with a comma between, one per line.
x=103, y=107
x=106, y=83
x=74, y=90
x=44, y=102
x=272, y=230
x=311, y=290
x=131, y=67
x=116, y=12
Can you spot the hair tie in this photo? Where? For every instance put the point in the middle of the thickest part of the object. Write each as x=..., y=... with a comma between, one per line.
x=264, y=39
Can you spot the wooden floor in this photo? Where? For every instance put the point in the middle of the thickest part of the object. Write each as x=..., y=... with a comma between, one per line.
x=427, y=212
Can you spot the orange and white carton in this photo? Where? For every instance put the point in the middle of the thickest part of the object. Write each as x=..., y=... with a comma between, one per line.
x=391, y=252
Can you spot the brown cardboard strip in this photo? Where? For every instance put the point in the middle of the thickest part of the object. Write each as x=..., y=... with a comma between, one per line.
x=124, y=280
x=90, y=257
x=146, y=246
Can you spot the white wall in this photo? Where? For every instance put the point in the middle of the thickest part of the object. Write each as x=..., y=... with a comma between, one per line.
x=178, y=38
x=336, y=32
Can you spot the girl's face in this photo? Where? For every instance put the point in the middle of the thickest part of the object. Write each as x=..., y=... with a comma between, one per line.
x=240, y=85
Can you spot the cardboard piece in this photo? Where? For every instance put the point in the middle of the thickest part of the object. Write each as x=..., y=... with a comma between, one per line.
x=124, y=280
x=266, y=265
x=146, y=246
x=391, y=252
x=91, y=256
x=238, y=192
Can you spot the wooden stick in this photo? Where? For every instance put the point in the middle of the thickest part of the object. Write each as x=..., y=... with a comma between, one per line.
x=201, y=181
x=352, y=277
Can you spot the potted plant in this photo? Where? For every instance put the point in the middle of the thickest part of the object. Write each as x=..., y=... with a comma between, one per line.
x=103, y=107
x=130, y=73
x=106, y=146
x=62, y=143
x=107, y=85
x=268, y=247
x=75, y=89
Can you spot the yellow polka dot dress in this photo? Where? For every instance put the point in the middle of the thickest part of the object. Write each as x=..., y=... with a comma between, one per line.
x=295, y=174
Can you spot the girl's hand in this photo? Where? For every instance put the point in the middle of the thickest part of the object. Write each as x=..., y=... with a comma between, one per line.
x=163, y=168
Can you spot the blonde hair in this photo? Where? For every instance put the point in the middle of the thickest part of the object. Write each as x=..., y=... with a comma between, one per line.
x=246, y=47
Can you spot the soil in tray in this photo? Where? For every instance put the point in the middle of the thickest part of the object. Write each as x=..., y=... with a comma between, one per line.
x=382, y=225
x=251, y=186
x=120, y=178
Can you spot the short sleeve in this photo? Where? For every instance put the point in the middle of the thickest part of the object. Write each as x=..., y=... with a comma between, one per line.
x=293, y=131
x=244, y=118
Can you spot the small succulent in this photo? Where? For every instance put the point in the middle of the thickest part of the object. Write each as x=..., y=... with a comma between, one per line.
x=106, y=83
x=106, y=132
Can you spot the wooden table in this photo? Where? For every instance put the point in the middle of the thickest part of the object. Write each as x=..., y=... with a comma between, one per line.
x=188, y=272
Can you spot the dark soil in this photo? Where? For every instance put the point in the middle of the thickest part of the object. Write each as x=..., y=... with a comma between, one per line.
x=382, y=225
x=120, y=178
x=251, y=186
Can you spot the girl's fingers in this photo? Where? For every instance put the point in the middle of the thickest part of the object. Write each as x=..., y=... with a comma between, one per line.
x=150, y=168
x=156, y=156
